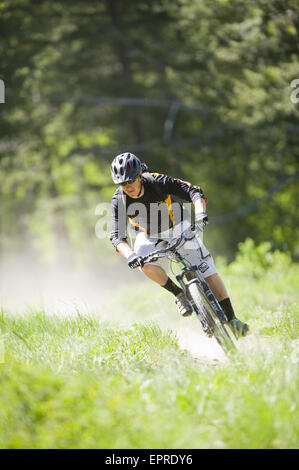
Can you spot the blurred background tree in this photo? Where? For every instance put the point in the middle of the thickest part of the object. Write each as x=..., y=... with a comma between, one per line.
x=199, y=90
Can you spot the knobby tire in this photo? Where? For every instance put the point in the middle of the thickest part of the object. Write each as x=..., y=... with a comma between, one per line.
x=210, y=318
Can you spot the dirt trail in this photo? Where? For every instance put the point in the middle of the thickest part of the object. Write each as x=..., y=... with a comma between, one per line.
x=27, y=286
x=203, y=349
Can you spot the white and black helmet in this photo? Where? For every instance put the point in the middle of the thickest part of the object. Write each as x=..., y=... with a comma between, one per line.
x=125, y=167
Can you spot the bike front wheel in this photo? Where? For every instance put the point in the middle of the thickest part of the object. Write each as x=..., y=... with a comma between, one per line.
x=209, y=318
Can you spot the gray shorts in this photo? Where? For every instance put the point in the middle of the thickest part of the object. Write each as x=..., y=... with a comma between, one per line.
x=194, y=251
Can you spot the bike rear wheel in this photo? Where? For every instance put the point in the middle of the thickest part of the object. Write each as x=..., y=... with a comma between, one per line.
x=209, y=317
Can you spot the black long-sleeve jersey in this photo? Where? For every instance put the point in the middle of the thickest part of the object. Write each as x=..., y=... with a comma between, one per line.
x=157, y=210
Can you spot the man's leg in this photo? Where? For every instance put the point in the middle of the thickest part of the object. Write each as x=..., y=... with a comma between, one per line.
x=219, y=290
x=158, y=275
x=217, y=286
x=155, y=273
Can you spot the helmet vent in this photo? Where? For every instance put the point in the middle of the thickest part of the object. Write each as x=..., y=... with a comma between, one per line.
x=125, y=167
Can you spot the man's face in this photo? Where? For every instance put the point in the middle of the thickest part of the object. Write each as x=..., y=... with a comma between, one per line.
x=132, y=188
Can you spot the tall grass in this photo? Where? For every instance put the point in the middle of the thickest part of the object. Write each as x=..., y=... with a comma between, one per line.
x=87, y=381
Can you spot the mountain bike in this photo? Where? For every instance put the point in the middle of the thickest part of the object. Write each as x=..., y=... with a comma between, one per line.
x=211, y=316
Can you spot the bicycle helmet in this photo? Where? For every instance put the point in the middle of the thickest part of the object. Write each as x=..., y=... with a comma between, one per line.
x=125, y=167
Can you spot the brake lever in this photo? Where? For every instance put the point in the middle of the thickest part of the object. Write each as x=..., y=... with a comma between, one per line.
x=149, y=258
x=197, y=226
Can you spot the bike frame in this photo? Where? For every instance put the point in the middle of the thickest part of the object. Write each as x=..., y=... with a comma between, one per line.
x=205, y=291
x=207, y=309
x=189, y=271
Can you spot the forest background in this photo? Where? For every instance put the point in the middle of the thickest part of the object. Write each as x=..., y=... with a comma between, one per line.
x=200, y=90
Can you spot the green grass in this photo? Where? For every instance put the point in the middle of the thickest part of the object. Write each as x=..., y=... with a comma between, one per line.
x=117, y=378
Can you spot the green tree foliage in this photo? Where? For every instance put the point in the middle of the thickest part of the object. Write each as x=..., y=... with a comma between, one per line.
x=198, y=89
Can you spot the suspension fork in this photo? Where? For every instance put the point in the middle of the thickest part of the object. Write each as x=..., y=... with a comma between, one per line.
x=192, y=275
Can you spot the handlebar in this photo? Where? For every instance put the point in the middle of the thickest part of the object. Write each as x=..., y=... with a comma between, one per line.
x=154, y=255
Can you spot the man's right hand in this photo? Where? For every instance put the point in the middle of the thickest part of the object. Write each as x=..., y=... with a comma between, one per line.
x=201, y=220
x=134, y=261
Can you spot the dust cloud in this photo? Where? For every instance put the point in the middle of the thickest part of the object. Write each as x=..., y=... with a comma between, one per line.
x=27, y=284
x=59, y=288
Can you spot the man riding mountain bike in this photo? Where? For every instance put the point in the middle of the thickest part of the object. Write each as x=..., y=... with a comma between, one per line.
x=141, y=191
